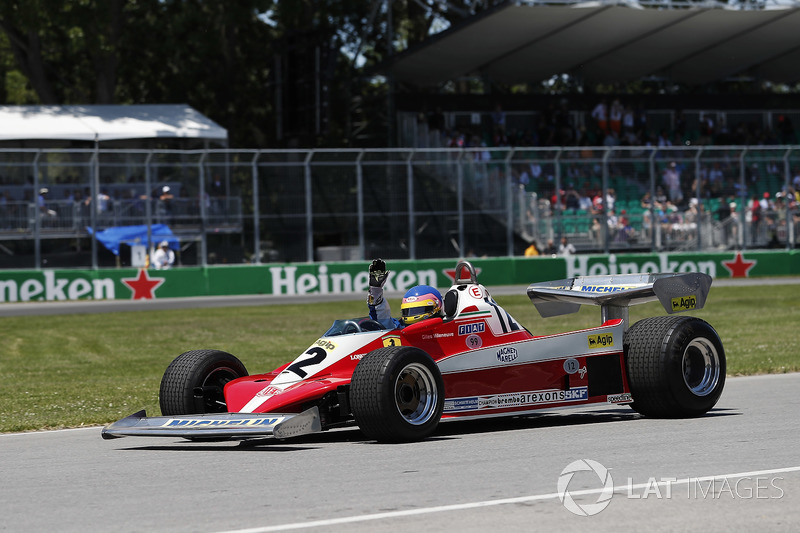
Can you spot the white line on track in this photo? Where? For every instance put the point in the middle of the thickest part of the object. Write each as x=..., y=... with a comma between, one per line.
x=489, y=503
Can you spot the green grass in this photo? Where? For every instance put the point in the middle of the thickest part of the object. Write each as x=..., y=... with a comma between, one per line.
x=68, y=371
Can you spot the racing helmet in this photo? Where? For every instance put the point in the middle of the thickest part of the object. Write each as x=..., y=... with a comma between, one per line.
x=419, y=303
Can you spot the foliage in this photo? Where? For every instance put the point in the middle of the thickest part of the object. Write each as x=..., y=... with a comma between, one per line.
x=273, y=73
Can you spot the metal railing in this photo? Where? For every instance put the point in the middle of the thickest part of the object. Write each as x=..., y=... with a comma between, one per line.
x=405, y=203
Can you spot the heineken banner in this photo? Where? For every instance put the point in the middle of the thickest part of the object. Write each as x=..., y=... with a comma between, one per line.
x=351, y=277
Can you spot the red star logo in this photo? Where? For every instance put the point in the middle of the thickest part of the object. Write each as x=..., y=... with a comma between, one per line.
x=143, y=286
x=739, y=267
x=451, y=273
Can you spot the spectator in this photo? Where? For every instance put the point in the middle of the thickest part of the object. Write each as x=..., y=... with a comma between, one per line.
x=550, y=249
x=42, y=203
x=615, y=117
x=163, y=258
x=600, y=116
x=672, y=181
x=164, y=206
x=499, y=122
x=532, y=250
x=217, y=192
x=566, y=247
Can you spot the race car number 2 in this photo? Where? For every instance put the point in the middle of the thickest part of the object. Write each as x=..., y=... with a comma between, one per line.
x=317, y=356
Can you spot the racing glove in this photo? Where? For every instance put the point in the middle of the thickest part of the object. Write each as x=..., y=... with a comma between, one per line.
x=378, y=307
x=378, y=273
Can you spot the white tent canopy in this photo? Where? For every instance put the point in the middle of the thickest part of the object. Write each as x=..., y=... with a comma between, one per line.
x=98, y=123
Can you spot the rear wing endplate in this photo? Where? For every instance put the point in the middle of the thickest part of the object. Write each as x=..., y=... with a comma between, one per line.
x=676, y=292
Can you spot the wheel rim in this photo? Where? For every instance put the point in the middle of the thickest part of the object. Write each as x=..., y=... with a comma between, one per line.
x=701, y=366
x=212, y=389
x=415, y=394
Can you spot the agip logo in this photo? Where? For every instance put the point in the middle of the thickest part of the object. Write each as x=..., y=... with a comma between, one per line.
x=601, y=340
x=684, y=303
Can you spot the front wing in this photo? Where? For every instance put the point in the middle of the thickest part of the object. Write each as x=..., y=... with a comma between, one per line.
x=218, y=425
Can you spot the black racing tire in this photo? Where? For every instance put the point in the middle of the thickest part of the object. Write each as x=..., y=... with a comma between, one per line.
x=193, y=383
x=675, y=366
x=397, y=394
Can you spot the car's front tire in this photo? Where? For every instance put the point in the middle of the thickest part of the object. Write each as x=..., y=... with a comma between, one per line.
x=675, y=366
x=193, y=383
x=397, y=394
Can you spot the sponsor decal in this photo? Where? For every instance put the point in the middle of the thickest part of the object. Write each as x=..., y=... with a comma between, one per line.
x=473, y=342
x=605, y=288
x=358, y=356
x=269, y=392
x=507, y=354
x=601, y=340
x=476, y=292
x=287, y=280
x=47, y=286
x=460, y=404
x=475, y=327
x=517, y=399
x=684, y=303
x=619, y=398
x=200, y=423
x=579, y=265
x=391, y=340
x=739, y=268
x=328, y=345
x=143, y=286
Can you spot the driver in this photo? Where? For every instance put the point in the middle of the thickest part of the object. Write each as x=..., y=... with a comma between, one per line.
x=419, y=303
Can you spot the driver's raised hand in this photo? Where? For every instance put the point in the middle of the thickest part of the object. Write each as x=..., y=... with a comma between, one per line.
x=378, y=273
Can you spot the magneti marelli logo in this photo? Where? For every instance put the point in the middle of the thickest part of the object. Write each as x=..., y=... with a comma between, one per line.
x=604, y=497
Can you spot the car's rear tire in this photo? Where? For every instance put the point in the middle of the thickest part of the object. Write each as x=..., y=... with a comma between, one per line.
x=397, y=394
x=675, y=366
x=193, y=383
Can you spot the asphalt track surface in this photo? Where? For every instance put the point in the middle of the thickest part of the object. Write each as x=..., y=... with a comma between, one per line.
x=736, y=469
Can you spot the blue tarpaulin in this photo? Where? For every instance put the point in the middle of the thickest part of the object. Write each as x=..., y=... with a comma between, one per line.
x=113, y=237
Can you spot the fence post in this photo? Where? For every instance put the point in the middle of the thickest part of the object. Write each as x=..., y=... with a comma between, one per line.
x=606, y=233
x=309, y=207
x=509, y=206
x=148, y=203
x=652, y=163
x=93, y=190
x=37, y=218
x=747, y=229
x=787, y=180
x=360, y=205
x=700, y=210
x=201, y=176
x=460, y=202
x=412, y=237
x=256, y=209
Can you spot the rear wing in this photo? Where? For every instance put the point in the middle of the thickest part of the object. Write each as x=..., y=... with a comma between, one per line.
x=614, y=294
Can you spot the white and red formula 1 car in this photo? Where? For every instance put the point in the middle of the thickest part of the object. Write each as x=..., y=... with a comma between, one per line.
x=475, y=361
